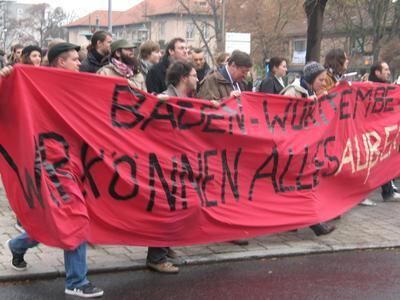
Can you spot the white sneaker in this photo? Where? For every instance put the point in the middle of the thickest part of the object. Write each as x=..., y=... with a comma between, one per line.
x=368, y=202
x=86, y=291
x=393, y=197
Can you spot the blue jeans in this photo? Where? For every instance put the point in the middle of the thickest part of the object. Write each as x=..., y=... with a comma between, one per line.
x=74, y=261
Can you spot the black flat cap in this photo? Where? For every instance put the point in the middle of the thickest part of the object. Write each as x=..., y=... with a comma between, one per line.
x=57, y=49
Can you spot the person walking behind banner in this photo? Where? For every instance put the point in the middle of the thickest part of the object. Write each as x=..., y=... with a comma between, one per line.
x=98, y=51
x=30, y=55
x=336, y=63
x=380, y=72
x=149, y=55
x=311, y=84
x=182, y=82
x=63, y=56
x=123, y=63
x=274, y=84
x=155, y=80
x=228, y=80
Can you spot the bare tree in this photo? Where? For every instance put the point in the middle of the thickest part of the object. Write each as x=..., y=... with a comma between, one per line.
x=368, y=23
x=315, y=17
x=197, y=16
x=45, y=22
x=266, y=24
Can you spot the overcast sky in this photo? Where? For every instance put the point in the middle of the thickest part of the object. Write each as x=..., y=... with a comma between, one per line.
x=83, y=7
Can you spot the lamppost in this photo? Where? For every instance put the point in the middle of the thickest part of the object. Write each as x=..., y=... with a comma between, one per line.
x=110, y=16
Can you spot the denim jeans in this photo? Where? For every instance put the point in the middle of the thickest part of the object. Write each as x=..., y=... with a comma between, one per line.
x=74, y=261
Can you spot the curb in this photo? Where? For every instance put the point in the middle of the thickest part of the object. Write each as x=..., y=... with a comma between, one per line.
x=137, y=265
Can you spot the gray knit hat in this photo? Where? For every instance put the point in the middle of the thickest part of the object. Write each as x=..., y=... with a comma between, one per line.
x=312, y=70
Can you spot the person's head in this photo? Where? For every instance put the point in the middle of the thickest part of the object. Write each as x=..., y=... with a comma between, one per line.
x=177, y=49
x=150, y=51
x=314, y=75
x=221, y=59
x=64, y=56
x=182, y=75
x=379, y=72
x=31, y=55
x=336, y=61
x=16, y=53
x=198, y=58
x=278, y=66
x=124, y=52
x=239, y=64
x=101, y=42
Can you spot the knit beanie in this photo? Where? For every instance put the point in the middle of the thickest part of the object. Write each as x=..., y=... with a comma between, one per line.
x=312, y=70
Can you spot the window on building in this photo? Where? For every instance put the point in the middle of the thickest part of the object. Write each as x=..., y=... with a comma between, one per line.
x=205, y=30
x=161, y=34
x=299, y=45
x=142, y=35
x=299, y=51
x=189, y=31
x=20, y=13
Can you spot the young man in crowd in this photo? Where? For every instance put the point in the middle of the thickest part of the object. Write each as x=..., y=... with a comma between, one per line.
x=98, y=51
x=123, y=63
x=150, y=54
x=176, y=50
x=182, y=79
x=199, y=60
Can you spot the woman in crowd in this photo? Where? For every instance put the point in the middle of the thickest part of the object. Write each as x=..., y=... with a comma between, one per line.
x=31, y=55
x=336, y=63
x=274, y=84
x=311, y=84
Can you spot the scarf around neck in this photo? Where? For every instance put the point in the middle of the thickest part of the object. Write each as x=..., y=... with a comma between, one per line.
x=124, y=69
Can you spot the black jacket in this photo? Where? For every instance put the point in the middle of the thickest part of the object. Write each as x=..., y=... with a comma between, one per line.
x=93, y=62
x=155, y=80
x=271, y=86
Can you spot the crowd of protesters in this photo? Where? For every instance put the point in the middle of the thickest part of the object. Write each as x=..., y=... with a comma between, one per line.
x=176, y=73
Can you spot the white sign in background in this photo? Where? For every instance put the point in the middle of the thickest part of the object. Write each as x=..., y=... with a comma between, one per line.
x=237, y=41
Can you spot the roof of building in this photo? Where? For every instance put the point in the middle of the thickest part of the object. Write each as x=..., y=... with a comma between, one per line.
x=137, y=13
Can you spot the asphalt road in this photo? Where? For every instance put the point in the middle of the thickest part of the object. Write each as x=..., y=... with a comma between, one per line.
x=341, y=275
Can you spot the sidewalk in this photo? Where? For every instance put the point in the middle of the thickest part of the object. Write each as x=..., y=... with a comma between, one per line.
x=361, y=228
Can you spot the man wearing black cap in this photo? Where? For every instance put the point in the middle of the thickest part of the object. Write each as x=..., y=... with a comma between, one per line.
x=123, y=63
x=63, y=56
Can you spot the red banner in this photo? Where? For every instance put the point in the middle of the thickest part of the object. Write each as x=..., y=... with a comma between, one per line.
x=84, y=157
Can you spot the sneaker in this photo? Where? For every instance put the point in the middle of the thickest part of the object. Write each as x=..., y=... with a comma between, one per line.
x=165, y=267
x=19, y=227
x=322, y=228
x=85, y=291
x=368, y=202
x=17, y=263
x=172, y=253
x=393, y=197
x=395, y=187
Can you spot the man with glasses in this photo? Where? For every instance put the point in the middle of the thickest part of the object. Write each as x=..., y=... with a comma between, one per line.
x=182, y=79
x=227, y=81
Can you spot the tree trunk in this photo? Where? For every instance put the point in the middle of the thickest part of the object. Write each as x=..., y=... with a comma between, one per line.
x=315, y=16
